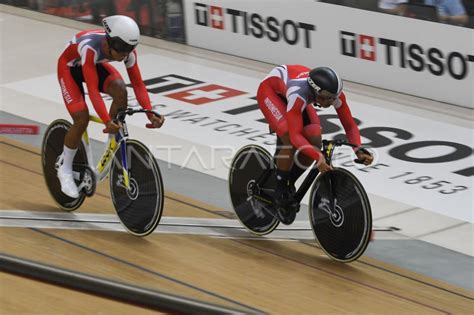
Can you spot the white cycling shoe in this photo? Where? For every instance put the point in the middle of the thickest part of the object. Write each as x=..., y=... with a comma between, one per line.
x=68, y=186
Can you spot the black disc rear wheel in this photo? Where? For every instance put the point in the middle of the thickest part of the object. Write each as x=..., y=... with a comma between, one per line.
x=140, y=207
x=52, y=147
x=248, y=166
x=342, y=226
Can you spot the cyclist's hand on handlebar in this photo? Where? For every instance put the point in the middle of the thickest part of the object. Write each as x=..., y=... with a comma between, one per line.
x=156, y=121
x=364, y=157
x=323, y=167
x=111, y=127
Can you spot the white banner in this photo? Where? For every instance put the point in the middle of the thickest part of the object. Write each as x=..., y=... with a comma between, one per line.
x=211, y=113
x=421, y=58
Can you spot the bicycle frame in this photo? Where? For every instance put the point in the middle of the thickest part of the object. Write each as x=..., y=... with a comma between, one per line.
x=327, y=150
x=115, y=141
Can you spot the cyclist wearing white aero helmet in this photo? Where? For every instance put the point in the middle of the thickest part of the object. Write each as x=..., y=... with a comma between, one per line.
x=86, y=60
x=122, y=33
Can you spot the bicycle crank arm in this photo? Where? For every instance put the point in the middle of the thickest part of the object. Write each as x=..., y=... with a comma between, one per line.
x=263, y=199
x=82, y=186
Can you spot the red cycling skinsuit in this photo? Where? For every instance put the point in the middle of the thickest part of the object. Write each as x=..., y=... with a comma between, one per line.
x=284, y=96
x=83, y=60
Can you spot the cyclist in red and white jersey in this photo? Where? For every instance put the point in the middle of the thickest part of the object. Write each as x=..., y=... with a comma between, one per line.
x=86, y=59
x=287, y=97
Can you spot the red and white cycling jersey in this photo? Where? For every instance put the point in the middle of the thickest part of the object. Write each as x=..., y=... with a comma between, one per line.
x=85, y=50
x=289, y=83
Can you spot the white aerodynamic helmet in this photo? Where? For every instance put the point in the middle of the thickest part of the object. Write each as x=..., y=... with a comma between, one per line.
x=123, y=33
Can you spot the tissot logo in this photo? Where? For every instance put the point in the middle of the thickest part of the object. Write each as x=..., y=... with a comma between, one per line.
x=361, y=46
x=367, y=47
x=202, y=94
x=205, y=94
x=253, y=24
x=195, y=92
x=406, y=55
x=217, y=17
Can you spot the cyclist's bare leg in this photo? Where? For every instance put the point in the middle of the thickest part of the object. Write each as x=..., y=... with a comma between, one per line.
x=284, y=161
x=285, y=155
x=302, y=162
x=285, y=203
x=79, y=126
x=118, y=91
x=71, y=143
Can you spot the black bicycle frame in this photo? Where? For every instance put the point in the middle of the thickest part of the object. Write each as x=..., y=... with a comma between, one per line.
x=327, y=150
x=308, y=181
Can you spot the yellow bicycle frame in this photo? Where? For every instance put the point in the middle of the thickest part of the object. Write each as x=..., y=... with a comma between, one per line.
x=108, y=155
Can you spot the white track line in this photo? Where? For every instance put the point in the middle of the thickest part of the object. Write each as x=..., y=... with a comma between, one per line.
x=222, y=228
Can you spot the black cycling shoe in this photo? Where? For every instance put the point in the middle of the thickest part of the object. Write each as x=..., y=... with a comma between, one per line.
x=286, y=216
x=296, y=204
x=286, y=206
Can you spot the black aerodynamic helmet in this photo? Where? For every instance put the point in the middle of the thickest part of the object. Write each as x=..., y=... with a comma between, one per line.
x=325, y=79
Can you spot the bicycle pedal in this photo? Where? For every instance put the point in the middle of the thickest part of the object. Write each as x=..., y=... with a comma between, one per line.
x=285, y=216
x=88, y=182
x=59, y=162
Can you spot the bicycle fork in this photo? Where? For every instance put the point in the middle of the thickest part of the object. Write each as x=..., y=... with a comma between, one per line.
x=125, y=173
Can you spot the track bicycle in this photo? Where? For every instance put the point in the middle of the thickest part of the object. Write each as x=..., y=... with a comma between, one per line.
x=136, y=186
x=339, y=208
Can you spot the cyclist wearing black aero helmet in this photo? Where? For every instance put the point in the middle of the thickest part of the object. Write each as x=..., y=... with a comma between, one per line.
x=325, y=83
x=287, y=97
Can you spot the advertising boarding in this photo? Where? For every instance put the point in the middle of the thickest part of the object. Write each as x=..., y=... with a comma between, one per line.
x=421, y=58
x=211, y=113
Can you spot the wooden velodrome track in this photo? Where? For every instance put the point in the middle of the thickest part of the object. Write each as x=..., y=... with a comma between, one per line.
x=276, y=277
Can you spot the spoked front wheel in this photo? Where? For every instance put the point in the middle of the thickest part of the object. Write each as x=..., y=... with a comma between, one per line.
x=341, y=224
x=248, y=167
x=139, y=208
x=51, y=149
